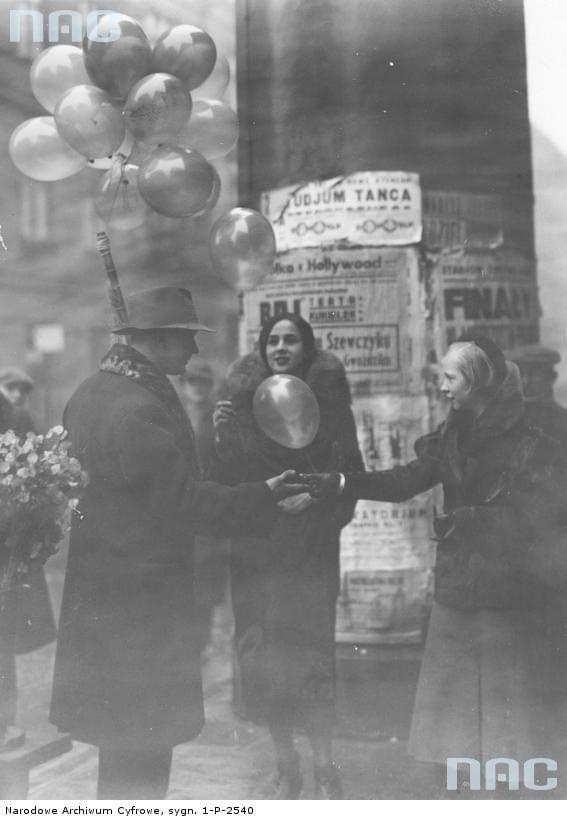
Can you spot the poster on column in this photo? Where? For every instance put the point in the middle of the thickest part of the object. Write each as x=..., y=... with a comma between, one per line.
x=386, y=551
x=454, y=220
x=490, y=293
x=365, y=306
x=367, y=208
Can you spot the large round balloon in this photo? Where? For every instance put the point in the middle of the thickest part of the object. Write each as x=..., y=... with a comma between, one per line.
x=216, y=83
x=54, y=71
x=38, y=151
x=175, y=181
x=287, y=411
x=90, y=121
x=242, y=247
x=187, y=52
x=116, y=65
x=157, y=108
x=212, y=129
x=118, y=200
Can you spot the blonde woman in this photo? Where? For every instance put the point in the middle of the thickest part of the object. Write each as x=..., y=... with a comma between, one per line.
x=487, y=688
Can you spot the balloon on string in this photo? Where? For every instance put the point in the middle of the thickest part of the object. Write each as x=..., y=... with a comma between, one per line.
x=176, y=181
x=186, y=51
x=116, y=65
x=90, y=121
x=242, y=247
x=54, y=71
x=157, y=108
x=122, y=153
x=39, y=152
x=215, y=193
x=212, y=129
x=287, y=411
x=118, y=200
x=216, y=83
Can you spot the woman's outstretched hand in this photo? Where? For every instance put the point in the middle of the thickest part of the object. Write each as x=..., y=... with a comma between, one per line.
x=322, y=485
x=286, y=484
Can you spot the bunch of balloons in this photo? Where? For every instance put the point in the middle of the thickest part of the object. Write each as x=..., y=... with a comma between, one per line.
x=150, y=119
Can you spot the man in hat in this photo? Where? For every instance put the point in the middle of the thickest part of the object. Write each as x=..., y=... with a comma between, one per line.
x=127, y=674
x=537, y=367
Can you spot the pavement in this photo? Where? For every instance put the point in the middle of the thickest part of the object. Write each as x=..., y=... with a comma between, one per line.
x=232, y=759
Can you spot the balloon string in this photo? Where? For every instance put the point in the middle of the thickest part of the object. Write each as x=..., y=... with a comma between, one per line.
x=123, y=160
x=114, y=198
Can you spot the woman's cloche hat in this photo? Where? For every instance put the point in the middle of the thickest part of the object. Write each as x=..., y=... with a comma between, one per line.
x=155, y=308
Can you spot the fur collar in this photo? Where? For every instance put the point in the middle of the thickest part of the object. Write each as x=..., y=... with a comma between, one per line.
x=503, y=412
x=464, y=436
x=326, y=377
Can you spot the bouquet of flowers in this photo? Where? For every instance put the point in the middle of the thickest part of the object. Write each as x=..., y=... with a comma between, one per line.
x=39, y=485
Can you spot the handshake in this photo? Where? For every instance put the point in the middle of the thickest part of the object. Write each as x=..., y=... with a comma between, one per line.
x=318, y=486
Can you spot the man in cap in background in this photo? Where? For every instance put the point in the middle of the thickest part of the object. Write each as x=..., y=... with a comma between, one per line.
x=127, y=673
x=537, y=368
x=15, y=388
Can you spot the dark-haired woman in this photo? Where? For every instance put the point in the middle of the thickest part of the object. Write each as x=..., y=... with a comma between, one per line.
x=284, y=592
x=488, y=686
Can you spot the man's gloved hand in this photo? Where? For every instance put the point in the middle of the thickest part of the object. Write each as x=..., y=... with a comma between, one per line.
x=286, y=484
x=295, y=504
x=322, y=485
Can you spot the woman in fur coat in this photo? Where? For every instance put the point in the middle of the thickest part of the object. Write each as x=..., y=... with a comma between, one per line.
x=492, y=681
x=284, y=595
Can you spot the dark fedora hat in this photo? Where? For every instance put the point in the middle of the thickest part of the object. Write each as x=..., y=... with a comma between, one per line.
x=155, y=308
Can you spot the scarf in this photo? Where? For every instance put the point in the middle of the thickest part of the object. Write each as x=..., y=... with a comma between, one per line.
x=123, y=360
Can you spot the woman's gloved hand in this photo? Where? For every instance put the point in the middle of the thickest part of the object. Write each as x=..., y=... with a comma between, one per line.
x=224, y=421
x=322, y=485
x=286, y=484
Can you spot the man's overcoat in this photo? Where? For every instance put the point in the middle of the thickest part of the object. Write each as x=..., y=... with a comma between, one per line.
x=127, y=668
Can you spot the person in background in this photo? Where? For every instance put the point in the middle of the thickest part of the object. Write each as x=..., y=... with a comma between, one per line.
x=127, y=674
x=35, y=626
x=285, y=586
x=537, y=368
x=16, y=386
x=196, y=388
x=490, y=684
